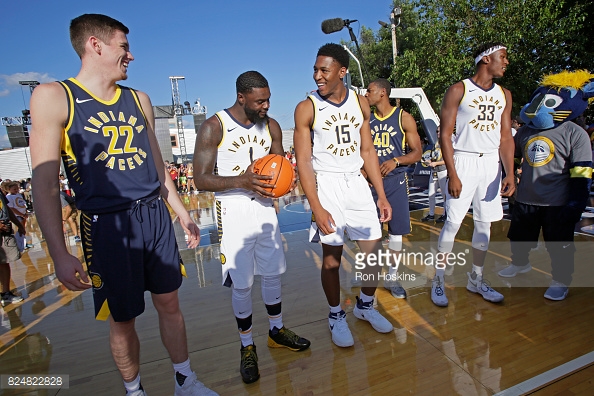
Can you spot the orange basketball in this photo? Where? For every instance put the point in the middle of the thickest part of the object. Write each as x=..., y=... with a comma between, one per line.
x=280, y=169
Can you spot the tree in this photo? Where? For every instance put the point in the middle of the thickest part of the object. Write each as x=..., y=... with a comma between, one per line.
x=436, y=39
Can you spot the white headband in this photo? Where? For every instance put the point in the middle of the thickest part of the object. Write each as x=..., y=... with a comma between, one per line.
x=488, y=52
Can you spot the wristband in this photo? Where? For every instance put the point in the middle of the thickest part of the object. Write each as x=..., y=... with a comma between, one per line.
x=397, y=162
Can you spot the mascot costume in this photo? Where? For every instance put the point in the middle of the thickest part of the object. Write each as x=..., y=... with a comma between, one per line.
x=556, y=176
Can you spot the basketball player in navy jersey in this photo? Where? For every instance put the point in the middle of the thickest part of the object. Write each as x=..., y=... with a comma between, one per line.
x=331, y=178
x=480, y=111
x=251, y=244
x=392, y=129
x=104, y=134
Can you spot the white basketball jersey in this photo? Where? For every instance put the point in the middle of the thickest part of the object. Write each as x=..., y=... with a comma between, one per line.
x=240, y=146
x=478, y=122
x=336, y=134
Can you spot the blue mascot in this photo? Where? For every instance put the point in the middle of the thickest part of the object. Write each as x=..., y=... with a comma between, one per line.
x=556, y=176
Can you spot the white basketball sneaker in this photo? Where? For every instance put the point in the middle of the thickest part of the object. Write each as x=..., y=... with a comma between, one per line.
x=477, y=284
x=438, y=295
x=366, y=311
x=341, y=335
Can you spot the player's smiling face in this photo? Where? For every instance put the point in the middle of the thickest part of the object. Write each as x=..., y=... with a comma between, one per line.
x=328, y=74
x=118, y=54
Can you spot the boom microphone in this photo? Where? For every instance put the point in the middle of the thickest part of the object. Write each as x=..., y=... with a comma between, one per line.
x=335, y=25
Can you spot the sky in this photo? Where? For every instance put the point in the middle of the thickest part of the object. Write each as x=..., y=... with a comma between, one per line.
x=208, y=42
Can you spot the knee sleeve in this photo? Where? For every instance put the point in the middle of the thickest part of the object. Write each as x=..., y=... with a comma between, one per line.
x=481, y=235
x=271, y=289
x=395, y=242
x=445, y=243
x=241, y=300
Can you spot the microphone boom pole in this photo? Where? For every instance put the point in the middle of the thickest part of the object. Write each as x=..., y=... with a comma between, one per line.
x=362, y=64
x=336, y=25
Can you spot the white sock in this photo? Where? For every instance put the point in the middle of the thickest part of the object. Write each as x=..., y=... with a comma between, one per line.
x=335, y=309
x=133, y=385
x=183, y=368
x=246, y=337
x=365, y=298
x=477, y=270
x=393, y=271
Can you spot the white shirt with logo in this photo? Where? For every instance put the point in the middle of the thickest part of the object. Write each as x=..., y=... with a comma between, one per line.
x=478, y=121
x=336, y=134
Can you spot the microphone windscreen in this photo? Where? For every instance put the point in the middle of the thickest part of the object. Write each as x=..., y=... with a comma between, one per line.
x=332, y=25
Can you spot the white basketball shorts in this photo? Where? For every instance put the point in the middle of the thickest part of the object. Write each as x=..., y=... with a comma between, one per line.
x=347, y=197
x=480, y=175
x=250, y=240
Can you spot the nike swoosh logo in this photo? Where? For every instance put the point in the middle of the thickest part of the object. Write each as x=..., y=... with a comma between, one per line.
x=402, y=182
x=279, y=296
x=565, y=246
x=472, y=90
x=322, y=108
x=241, y=313
x=82, y=101
x=372, y=121
x=230, y=129
x=331, y=327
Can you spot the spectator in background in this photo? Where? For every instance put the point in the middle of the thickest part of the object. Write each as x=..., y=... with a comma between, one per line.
x=64, y=186
x=174, y=175
x=438, y=178
x=27, y=194
x=190, y=176
x=17, y=204
x=9, y=251
x=69, y=215
x=516, y=124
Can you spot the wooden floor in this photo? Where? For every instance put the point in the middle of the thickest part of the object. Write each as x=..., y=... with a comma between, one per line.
x=471, y=347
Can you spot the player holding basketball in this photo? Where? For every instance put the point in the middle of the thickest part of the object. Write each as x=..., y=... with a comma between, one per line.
x=251, y=244
x=342, y=201
x=480, y=111
x=392, y=129
x=104, y=133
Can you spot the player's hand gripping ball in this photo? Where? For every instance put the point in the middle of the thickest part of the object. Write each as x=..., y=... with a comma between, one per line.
x=280, y=169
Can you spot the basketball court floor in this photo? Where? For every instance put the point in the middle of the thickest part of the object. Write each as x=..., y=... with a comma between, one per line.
x=524, y=345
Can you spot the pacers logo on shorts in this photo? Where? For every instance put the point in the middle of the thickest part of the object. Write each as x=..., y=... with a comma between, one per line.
x=539, y=151
x=96, y=280
x=223, y=259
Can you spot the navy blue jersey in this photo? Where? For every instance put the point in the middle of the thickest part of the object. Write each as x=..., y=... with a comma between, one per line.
x=106, y=149
x=388, y=137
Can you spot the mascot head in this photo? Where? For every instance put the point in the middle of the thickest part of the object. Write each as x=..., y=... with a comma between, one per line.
x=561, y=97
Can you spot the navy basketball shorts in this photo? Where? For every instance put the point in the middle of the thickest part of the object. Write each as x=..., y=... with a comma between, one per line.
x=396, y=189
x=127, y=253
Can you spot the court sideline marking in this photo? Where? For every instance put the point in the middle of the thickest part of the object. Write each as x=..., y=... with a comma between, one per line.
x=549, y=377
